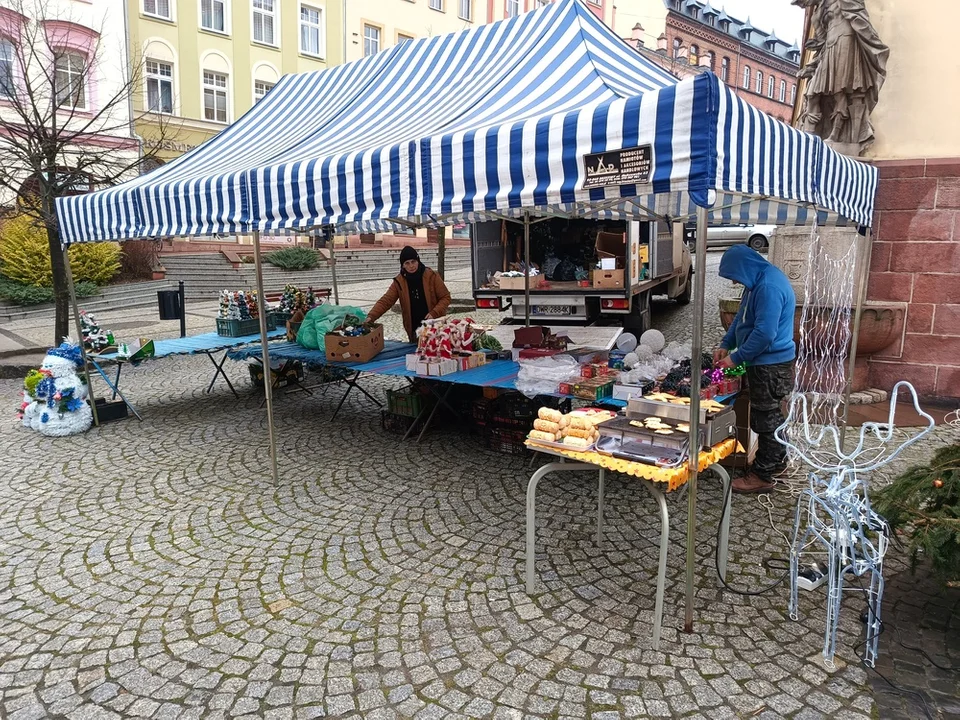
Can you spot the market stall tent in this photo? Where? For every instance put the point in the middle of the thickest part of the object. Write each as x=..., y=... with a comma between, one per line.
x=506, y=120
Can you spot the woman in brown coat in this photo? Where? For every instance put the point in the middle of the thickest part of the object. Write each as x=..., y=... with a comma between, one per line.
x=419, y=289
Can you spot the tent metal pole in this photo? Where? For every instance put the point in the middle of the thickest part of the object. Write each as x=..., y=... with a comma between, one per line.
x=267, y=377
x=76, y=322
x=526, y=269
x=700, y=281
x=333, y=271
x=864, y=257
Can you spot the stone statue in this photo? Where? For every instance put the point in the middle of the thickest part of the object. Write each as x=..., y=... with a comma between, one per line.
x=845, y=75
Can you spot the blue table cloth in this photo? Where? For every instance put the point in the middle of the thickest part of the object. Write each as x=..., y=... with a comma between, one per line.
x=207, y=342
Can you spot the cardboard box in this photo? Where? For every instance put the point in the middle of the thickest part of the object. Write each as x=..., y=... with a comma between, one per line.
x=607, y=279
x=360, y=349
x=518, y=283
x=528, y=336
x=612, y=245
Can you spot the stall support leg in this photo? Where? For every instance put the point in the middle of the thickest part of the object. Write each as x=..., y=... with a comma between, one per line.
x=265, y=347
x=116, y=382
x=662, y=568
x=76, y=323
x=722, y=548
x=695, y=368
x=526, y=273
x=220, y=372
x=601, y=489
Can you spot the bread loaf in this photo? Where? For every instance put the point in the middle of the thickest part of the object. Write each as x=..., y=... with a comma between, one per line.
x=546, y=426
x=549, y=414
x=540, y=435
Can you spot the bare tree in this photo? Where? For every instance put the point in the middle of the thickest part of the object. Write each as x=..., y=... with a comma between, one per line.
x=66, y=123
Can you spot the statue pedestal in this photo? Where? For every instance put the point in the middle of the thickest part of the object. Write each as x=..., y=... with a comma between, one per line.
x=790, y=250
x=849, y=149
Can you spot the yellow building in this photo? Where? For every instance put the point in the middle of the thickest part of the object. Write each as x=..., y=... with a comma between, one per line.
x=206, y=62
x=375, y=25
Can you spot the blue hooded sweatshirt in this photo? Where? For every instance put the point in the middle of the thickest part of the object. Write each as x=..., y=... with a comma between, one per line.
x=762, y=331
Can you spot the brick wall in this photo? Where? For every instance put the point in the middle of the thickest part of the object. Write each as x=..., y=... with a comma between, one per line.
x=916, y=259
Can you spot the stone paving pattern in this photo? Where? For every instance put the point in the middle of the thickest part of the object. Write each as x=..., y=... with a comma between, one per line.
x=155, y=570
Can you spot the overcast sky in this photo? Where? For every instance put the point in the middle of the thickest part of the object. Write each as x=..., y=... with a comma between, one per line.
x=768, y=15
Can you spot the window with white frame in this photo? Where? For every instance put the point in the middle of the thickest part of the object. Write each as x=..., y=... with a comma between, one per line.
x=371, y=40
x=466, y=9
x=265, y=21
x=7, y=56
x=677, y=44
x=541, y=3
x=70, y=80
x=403, y=37
x=724, y=68
x=793, y=94
x=260, y=90
x=159, y=86
x=436, y=5
x=783, y=91
x=214, y=96
x=213, y=15
x=694, y=54
x=746, y=77
x=158, y=8
x=311, y=30
x=513, y=8
x=759, y=86
x=771, y=83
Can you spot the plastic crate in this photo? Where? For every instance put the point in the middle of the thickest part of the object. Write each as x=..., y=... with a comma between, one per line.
x=508, y=441
x=394, y=423
x=231, y=327
x=407, y=401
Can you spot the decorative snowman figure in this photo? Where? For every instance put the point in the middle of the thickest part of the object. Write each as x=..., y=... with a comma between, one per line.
x=57, y=405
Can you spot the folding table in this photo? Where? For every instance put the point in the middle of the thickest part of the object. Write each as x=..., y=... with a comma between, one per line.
x=654, y=480
x=206, y=343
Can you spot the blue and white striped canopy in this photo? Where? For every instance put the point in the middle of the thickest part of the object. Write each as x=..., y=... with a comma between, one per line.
x=483, y=123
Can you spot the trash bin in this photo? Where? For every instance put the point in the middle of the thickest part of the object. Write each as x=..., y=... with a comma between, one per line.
x=169, y=304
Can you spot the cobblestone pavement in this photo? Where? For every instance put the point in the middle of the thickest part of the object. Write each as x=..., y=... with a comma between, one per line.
x=154, y=570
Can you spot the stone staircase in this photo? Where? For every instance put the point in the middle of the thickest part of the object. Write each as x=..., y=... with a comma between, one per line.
x=205, y=275
x=112, y=297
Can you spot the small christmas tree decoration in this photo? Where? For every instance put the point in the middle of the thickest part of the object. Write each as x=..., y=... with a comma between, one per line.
x=924, y=502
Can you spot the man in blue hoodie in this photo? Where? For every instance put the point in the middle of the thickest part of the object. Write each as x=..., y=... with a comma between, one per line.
x=761, y=336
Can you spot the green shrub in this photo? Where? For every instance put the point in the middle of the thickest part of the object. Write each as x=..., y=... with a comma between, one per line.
x=21, y=294
x=25, y=252
x=25, y=256
x=294, y=258
x=96, y=262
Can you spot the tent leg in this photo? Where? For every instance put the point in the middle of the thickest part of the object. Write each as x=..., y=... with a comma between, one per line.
x=700, y=279
x=267, y=385
x=864, y=275
x=526, y=270
x=76, y=322
x=333, y=271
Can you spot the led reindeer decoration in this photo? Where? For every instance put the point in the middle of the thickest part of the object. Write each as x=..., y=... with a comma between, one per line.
x=838, y=512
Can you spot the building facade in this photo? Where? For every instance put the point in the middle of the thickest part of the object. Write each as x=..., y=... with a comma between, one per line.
x=915, y=263
x=502, y=9
x=375, y=25
x=63, y=63
x=760, y=67
x=206, y=62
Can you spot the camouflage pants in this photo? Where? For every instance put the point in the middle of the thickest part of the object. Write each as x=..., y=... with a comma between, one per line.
x=768, y=385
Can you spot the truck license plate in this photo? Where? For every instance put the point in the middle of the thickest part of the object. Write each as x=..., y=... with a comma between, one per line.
x=551, y=309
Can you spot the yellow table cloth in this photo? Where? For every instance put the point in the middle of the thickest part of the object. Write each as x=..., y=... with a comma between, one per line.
x=673, y=478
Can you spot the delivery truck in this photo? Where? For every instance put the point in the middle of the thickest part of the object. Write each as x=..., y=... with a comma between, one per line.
x=587, y=271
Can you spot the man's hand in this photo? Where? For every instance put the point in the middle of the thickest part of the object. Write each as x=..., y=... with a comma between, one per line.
x=724, y=362
x=719, y=354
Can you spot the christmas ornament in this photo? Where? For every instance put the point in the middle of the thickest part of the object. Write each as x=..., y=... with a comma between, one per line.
x=938, y=483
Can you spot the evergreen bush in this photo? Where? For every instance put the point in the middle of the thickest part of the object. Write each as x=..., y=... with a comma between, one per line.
x=294, y=258
x=25, y=256
x=924, y=502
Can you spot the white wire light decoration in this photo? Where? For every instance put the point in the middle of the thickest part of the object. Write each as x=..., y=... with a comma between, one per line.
x=838, y=515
